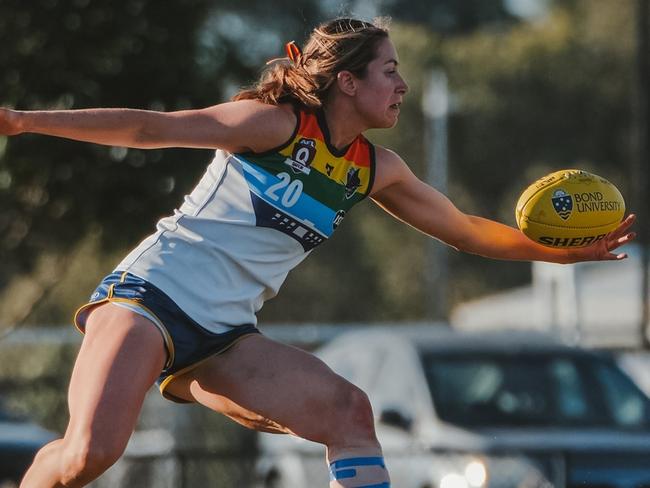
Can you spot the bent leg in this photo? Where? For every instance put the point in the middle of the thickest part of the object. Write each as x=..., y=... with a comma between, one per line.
x=121, y=356
x=274, y=387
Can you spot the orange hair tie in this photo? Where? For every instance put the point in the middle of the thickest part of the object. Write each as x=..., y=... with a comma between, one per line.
x=293, y=51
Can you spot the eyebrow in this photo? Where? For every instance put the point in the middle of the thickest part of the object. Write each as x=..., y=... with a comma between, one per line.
x=392, y=61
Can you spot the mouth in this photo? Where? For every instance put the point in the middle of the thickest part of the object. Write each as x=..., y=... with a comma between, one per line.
x=396, y=106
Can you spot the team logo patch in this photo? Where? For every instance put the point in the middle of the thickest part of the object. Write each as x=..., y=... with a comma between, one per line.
x=353, y=182
x=329, y=168
x=304, y=152
x=562, y=203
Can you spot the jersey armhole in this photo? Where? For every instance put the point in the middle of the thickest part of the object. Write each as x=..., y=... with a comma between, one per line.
x=297, y=112
x=373, y=167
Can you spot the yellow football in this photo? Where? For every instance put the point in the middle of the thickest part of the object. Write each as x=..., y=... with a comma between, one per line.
x=569, y=208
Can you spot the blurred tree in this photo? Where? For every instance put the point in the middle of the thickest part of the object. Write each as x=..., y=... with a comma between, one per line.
x=534, y=98
x=135, y=53
x=528, y=97
x=79, y=54
x=452, y=16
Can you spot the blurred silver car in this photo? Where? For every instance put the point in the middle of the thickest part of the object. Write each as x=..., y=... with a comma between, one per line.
x=456, y=410
x=20, y=440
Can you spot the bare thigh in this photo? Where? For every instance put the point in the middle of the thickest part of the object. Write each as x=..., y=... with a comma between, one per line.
x=274, y=386
x=121, y=356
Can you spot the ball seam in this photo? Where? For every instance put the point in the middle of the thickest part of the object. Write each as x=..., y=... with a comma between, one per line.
x=571, y=227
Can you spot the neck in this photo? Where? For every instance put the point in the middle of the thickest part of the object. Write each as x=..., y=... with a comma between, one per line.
x=343, y=122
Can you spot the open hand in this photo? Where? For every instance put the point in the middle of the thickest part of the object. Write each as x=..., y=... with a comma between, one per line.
x=602, y=249
x=9, y=122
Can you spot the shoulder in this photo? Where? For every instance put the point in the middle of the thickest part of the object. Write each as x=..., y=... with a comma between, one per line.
x=390, y=169
x=284, y=112
x=243, y=110
x=254, y=125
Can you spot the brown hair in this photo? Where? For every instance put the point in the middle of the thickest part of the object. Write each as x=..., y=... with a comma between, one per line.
x=338, y=45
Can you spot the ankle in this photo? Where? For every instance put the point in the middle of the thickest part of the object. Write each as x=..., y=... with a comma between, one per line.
x=359, y=467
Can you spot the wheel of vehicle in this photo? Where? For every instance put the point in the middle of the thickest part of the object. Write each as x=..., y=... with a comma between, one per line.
x=274, y=480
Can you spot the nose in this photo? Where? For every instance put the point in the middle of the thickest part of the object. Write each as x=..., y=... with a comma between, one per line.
x=402, y=86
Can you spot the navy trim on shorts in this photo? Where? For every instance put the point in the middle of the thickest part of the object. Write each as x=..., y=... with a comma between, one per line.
x=187, y=342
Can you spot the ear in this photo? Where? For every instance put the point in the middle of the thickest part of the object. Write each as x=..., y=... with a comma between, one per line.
x=347, y=83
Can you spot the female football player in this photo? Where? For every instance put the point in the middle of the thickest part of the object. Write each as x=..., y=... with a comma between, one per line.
x=180, y=309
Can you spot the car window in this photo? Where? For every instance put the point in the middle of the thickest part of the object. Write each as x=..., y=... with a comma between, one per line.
x=485, y=391
x=532, y=390
x=571, y=394
x=621, y=397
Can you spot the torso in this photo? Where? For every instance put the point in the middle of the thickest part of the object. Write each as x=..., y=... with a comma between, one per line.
x=250, y=220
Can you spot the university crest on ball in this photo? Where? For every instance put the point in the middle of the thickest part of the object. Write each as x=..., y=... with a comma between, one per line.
x=562, y=203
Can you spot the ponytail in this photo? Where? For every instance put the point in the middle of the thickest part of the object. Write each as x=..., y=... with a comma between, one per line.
x=283, y=82
x=305, y=78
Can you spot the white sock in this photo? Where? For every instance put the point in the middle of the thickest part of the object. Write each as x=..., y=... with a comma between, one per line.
x=359, y=472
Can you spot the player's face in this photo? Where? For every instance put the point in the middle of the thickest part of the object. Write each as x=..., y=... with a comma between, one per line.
x=381, y=91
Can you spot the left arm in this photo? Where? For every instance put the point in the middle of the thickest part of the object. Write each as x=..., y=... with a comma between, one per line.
x=398, y=191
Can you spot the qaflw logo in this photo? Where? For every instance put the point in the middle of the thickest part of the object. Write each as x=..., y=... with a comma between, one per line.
x=304, y=152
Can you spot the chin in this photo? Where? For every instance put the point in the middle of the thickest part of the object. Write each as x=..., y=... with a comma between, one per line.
x=391, y=122
x=386, y=122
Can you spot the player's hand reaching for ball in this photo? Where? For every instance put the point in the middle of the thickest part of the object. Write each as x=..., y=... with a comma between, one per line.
x=602, y=250
x=9, y=122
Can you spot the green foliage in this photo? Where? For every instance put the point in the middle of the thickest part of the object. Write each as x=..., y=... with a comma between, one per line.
x=81, y=54
x=452, y=16
x=527, y=98
x=34, y=381
x=534, y=98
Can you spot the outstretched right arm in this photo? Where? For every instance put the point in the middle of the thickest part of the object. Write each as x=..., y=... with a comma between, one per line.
x=234, y=126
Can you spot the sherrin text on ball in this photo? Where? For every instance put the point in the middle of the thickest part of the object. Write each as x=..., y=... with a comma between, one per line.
x=569, y=208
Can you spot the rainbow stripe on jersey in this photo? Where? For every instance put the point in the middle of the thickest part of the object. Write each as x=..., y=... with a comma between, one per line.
x=305, y=188
x=250, y=220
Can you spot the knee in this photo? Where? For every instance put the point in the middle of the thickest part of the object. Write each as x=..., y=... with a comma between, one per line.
x=354, y=413
x=360, y=409
x=83, y=461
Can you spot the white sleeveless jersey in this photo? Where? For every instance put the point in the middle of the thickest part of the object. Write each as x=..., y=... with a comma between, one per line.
x=249, y=221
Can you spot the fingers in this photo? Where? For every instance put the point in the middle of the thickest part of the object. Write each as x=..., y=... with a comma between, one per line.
x=617, y=242
x=602, y=250
x=618, y=236
x=610, y=256
x=624, y=226
x=616, y=257
x=611, y=245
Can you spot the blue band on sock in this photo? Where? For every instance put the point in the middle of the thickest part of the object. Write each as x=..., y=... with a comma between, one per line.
x=360, y=461
x=342, y=474
x=344, y=469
